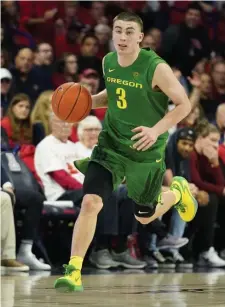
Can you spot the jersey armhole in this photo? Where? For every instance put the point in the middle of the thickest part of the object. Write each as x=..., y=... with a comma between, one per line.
x=151, y=71
x=103, y=65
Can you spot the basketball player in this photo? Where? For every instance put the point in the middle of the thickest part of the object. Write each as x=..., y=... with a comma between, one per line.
x=132, y=142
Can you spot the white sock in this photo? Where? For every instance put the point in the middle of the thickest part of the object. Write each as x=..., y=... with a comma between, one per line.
x=25, y=247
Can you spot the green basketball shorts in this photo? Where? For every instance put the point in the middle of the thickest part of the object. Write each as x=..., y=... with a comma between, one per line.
x=143, y=179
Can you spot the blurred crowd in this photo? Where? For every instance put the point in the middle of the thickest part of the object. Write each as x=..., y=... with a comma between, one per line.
x=47, y=43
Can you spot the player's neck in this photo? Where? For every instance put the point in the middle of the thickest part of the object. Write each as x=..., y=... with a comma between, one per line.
x=128, y=59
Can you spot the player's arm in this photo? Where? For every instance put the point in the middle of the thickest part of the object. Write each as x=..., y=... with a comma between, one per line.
x=100, y=100
x=165, y=79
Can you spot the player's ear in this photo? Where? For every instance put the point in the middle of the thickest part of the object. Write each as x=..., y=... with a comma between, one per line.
x=141, y=36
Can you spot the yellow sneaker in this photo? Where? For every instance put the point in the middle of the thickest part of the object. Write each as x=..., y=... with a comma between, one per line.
x=71, y=282
x=188, y=205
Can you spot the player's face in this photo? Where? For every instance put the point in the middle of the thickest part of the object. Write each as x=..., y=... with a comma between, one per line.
x=127, y=36
x=185, y=147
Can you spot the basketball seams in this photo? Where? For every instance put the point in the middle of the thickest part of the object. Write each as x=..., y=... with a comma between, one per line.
x=84, y=115
x=75, y=102
x=54, y=98
x=62, y=97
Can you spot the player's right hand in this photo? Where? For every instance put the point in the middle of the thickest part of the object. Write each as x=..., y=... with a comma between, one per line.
x=147, y=137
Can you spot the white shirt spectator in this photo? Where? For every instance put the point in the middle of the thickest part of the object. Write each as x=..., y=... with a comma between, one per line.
x=82, y=151
x=52, y=155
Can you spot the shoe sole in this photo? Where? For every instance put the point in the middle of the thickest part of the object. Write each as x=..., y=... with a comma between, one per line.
x=130, y=266
x=186, y=198
x=208, y=265
x=99, y=266
x=172, y=246
x=64, y=286
x=8, y=269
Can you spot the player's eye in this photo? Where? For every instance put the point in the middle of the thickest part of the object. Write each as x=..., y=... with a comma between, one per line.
x=129, y=33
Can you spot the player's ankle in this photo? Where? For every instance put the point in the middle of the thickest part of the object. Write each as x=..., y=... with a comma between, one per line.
x=76, y=261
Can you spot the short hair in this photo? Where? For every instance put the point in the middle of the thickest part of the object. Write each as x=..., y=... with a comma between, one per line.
x=127, y=16
x=90, y=121
x=204, y=128
x=89, y=35
x=219, y=62
x=194, y=6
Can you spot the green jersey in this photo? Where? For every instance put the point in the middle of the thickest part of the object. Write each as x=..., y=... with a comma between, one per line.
x=131, y=101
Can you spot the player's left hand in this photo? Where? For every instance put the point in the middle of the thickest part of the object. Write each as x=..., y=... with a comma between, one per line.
x=147, y=137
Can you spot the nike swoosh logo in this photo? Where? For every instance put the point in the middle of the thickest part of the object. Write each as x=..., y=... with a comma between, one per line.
x=110, y=70
x=142, y=212
x=157, y=161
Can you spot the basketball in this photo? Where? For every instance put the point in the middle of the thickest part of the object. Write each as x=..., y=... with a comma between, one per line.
x=71, y=102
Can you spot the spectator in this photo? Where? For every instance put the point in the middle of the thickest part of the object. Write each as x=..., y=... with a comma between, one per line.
x=5, y=59
x=185, y=44
x=17, y=123
x=192, y=119
x=9, y=19
x=103, y=33
x=88, y=51
x=91, y=78
x=220, y=121
x=218, y=76
x=41, y=111
x=88, y=131
x=54, y=158
x=15, y=32
x=67, y=40
x=32, y=202
x=25, y=79
x=39, y=20
x=178, y=150
x=207, y=175
x=157, y=37
x=66, y=70
x=222, y=154
x=148, y=42
x=202, y=94
x=8, y=240
x=43, y=65
x=6, y=89
x=95, y=15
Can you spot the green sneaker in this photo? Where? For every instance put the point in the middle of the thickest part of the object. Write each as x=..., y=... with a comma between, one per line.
x=71, y=282
x=188, y=205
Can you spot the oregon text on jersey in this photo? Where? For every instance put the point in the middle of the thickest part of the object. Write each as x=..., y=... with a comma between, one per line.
x=124, y=82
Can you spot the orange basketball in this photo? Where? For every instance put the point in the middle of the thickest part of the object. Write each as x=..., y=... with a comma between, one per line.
x=71, y=102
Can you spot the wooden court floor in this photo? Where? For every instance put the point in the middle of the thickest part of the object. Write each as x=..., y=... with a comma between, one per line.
x=127, y=290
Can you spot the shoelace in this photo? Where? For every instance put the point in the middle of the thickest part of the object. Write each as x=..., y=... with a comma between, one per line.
x=69, y=269
x=179, y=206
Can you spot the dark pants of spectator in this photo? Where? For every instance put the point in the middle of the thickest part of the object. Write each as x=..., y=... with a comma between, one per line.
x=220, y=231
x=73, y=195
x=202, y=228
x=32, y=202
x=156, y=227
x=117, y=215
x=115, y=218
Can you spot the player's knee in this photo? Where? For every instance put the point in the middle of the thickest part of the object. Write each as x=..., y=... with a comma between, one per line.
x=143, y=220
x=91, y=204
